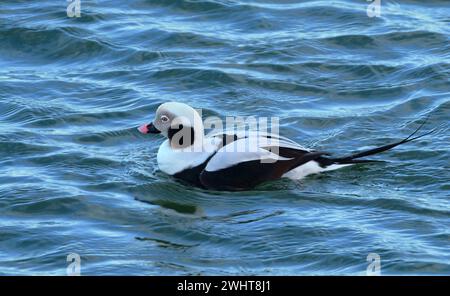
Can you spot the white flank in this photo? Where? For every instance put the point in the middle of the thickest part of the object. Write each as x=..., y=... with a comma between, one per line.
x=309, y=168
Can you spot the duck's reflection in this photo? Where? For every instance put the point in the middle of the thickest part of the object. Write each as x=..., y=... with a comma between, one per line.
x=180, y=208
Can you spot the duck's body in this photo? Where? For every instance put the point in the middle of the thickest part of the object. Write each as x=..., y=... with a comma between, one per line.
x=218, y=167
x=230, y=161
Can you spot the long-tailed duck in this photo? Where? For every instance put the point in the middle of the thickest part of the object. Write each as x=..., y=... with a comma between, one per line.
x=232, y=161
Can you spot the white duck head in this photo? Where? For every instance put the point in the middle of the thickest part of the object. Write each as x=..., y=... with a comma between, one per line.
x=178, y=122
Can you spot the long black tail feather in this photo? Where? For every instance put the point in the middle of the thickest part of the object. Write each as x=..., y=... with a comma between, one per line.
x=353, y=158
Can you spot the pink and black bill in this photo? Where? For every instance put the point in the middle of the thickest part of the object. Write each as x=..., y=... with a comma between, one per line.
x=148, y=129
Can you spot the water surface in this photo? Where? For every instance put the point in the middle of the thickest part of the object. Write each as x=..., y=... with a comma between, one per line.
x=76, y=176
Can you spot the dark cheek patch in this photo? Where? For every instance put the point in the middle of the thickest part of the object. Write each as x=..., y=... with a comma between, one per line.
x=181, y=136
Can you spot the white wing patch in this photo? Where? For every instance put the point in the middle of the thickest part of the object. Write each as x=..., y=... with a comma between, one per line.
x=239, y=151
x=283, y=141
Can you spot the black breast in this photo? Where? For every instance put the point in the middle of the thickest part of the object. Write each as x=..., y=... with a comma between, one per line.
x=192, y=175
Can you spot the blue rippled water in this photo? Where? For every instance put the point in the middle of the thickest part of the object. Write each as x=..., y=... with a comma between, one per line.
x=76, y=176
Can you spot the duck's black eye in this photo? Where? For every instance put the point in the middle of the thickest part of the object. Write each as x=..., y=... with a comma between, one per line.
x=164, y=118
